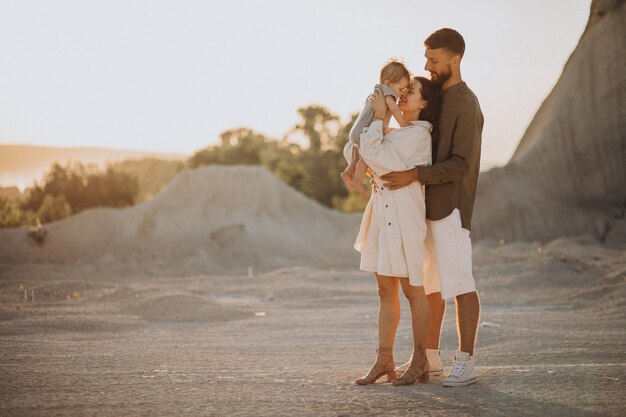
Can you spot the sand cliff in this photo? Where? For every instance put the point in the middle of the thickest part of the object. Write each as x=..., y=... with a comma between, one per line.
x=568, y=174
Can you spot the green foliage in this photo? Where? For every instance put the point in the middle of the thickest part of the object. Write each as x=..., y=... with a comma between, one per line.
x=241, y=146
x=152, y=174
x=10, y=214
x=354, y=202
x=319, y=126
x=73, y=188
x=53, y=208
x=111, y=188
x=313, y=169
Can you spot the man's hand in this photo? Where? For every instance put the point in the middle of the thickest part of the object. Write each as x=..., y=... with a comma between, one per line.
x=400, y=179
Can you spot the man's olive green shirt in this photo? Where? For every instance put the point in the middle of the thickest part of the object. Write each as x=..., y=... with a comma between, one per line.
x=452, y=178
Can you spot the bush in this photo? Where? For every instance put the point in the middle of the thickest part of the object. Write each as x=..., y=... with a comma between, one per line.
x=53, y=208
x=10, y=214
x=37, y=234
x=81, y=187
x=152, y=174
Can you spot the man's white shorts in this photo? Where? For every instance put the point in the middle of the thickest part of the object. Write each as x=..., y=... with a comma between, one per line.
x=448, y=261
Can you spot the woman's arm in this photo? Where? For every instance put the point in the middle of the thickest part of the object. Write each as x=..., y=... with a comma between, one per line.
x=379, y=154
x=395, y=110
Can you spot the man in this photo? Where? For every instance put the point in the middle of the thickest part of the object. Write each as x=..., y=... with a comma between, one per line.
x=450, y=192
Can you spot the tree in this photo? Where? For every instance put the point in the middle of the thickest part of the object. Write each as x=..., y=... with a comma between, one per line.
x=53, y=208
x=73, y=188
x=152, y=174
x=322, y=161
x=312, y=169
x=237, y=146
x=319, y=126
x=10, y=214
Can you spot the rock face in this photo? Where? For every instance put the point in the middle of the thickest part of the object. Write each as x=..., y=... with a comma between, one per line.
x=215, y=219
x=568, y=173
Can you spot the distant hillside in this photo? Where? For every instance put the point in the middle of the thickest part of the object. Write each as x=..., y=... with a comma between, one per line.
x=11, y=193
x=20, y=165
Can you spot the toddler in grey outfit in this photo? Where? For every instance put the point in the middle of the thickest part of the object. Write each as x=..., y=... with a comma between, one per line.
x=394, y=78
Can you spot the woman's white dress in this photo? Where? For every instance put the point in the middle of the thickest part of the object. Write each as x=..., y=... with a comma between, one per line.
x=393, y=228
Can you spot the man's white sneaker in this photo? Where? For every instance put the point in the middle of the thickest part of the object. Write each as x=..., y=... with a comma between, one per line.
x=434, y=360
x=463, y=372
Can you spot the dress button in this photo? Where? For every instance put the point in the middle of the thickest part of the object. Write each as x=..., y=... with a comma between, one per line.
x=389, y=224
x=386, y=205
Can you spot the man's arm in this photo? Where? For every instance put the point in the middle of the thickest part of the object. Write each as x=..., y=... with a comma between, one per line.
x=464, y=144
x=458, y=165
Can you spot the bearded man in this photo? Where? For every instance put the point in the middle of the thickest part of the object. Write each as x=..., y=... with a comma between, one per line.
x=450, y=193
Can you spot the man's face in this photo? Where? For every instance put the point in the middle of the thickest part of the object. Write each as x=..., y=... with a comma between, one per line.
x=439, y=64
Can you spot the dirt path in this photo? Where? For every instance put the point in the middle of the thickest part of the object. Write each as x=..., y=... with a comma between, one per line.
x=291, y=342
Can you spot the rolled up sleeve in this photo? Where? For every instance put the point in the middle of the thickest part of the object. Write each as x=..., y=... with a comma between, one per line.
x=379, y=153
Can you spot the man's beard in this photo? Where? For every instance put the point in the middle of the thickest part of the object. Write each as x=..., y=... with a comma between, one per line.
x=441, y=78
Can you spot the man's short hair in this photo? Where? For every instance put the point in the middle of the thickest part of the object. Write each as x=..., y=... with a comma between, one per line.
x=448, y=39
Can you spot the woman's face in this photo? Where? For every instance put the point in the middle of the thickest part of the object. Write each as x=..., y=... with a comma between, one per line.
x=412, y=99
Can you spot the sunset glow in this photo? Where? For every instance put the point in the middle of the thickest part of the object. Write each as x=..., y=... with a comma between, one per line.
x=166, y=76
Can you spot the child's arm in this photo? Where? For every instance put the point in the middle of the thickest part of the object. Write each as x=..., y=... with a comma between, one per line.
x=386, y=122
x=395, y=110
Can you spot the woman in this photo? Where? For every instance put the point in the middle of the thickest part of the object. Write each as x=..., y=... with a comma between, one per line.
x=393, y=229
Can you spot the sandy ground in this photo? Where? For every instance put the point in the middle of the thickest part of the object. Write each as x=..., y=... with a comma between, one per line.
x=79, y=341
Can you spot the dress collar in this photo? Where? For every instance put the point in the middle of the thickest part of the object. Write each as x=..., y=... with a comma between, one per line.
x=422, y=123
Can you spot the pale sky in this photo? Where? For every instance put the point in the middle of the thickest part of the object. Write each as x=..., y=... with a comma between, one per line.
x=171, y=75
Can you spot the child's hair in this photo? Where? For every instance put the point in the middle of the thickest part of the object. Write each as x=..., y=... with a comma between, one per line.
x=393, y=71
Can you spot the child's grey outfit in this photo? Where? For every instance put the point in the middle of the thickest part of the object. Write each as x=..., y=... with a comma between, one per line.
x=367, y=114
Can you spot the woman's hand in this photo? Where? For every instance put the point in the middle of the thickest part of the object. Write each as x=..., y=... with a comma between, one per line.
x=377, y=99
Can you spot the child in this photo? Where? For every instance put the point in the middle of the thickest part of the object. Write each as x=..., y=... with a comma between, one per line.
x=394, y=78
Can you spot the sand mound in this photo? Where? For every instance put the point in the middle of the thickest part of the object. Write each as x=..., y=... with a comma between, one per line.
x=209, y=220
x=568, y=174
x=182, y=308
x=567, y=273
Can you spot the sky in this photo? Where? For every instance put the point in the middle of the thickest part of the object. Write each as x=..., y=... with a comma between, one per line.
x=169, y=76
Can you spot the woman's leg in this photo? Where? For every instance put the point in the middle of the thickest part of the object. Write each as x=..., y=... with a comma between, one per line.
x=388, y=310
x=388, y=318
x=420, y=314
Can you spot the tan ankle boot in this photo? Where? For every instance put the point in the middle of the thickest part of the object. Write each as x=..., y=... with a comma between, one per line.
x=417, y=371
x=384, y=366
